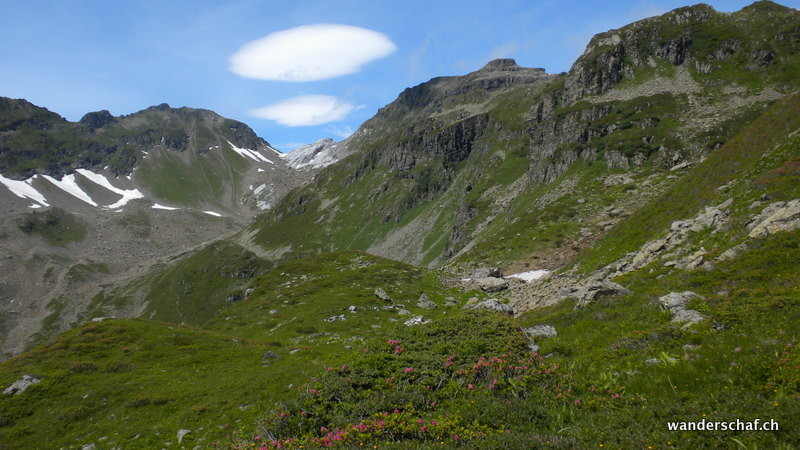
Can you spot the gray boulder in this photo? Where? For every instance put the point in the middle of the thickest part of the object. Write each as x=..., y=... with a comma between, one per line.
x=340, y=317
x=688, y=316
x=182, y=434
x=381, y=294
x=592, y=289
x=21, y=385
x=545, y=331
x=486, y=272
x=491, y=284
x=425, y=302
x=450, y=301
x=416, y=320
x=493, y=304
x=677, y=301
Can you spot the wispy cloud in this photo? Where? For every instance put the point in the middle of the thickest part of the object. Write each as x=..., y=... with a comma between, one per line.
x=310, y=53
x=341, y=132
x=305, y=110
x=504, y=51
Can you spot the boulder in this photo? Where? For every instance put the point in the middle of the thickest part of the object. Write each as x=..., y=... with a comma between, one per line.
x=425, y=302
x=493, y=304
x=676, y=301
x=688, y=316
x=590, y=290
x=381, y=294
x=491, y=284
x=21, y=385
x=545, y=331
x=416, y=320
x=182, y=434
x=340, y=317
x=486, y=272
x=450, y=301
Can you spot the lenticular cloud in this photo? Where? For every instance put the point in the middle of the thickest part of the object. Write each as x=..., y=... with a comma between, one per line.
x=310, y=53
x=305, y=110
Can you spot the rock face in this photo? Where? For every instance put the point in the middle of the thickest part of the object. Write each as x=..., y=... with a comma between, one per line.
x=317, y=155
x=21, y=385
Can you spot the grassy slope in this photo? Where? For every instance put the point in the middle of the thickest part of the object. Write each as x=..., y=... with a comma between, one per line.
x=151, y=379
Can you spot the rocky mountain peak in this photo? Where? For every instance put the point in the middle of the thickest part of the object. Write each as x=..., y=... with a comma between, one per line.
x=97, y=119
x=502, y=64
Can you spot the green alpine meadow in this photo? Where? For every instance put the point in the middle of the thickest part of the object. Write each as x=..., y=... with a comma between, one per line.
x=607, y=257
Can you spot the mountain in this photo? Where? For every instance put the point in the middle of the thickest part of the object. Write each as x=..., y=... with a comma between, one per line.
x=97, y=202
x=656, y=181
x=456, y=164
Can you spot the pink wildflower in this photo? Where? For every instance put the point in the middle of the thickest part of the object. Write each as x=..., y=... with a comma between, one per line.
x=408, y=370
x=469, y=386
x=577, y=402
x=313, y=391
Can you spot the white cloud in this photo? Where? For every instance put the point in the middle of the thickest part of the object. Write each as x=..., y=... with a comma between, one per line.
x=305, y=110
x=310, y=52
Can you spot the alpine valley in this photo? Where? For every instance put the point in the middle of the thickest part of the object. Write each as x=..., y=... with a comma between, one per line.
x=504, y=259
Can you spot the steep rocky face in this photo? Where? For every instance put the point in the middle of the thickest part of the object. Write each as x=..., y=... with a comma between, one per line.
x=758, y=40
x=316, y=155
x=433, y=171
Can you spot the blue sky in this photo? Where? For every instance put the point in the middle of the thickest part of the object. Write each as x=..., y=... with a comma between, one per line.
x=76, y=56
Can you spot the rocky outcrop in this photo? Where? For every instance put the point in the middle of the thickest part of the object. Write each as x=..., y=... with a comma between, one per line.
x=491, y=304
x=491, y=284
x=593, y=289
x=676, y=303
x=381, y=294
x=778, y=216
x=21, y=385
x=425, y=303
x=538, y=331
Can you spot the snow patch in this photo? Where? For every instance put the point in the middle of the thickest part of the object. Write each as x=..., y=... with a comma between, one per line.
x=127, y=194
x=212, y=213
x=530, y=275
x=260, y=170
x=260, y=189
x=252, y=154
x=68, y=185
x=168, y=208
x=24, y=189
